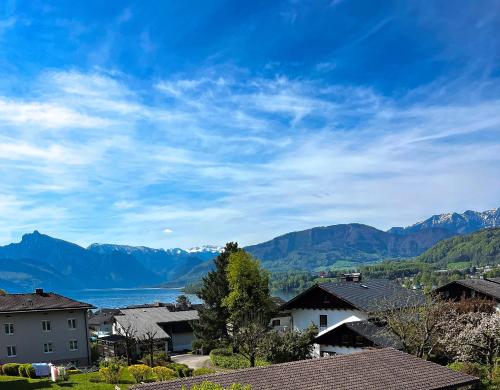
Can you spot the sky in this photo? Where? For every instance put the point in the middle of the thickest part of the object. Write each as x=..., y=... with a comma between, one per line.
x=183, y=123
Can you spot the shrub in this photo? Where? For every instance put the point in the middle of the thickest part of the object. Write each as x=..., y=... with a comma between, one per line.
x=181, y=370
x=140, y=372
x=30, y=371
x=73, y=372
x=164, y=373
x=473, y=369
x=224, y=358
x=111, y=370
x=159, y=359
x=22, y=371
x=203, y=371
x=1, y=371
x=11, y=369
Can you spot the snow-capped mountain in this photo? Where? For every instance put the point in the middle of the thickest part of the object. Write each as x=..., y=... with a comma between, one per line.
x=467, y=222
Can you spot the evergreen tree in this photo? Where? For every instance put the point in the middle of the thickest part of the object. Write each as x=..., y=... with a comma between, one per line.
x=213, y=315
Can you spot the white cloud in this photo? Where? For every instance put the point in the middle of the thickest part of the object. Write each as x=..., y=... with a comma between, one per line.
x=167, y=231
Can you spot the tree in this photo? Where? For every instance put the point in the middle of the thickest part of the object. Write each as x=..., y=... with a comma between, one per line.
x=415, y=323
x=288, y=346
x=475, y=337
x=130, y=338
x=2, y=292
x=183, y=302
x=213, y=315
x=248, y=339
x=149, y=340
x=248, y=299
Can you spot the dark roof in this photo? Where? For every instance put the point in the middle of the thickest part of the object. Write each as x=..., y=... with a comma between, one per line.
x=38, y=302
x=378, y=335
x=496, y=280
x=379, y=369
x=99, y=318
x=486, y=287
x=112, y=338
x=369, y=296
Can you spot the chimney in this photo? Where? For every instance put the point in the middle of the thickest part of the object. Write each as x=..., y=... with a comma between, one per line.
x=39, y=291
x=354, y=277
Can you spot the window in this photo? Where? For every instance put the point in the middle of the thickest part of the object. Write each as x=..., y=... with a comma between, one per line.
x=46, y=326
x=276, y=323
x=72, y=323
x=323, y=320
x=9, y=328
x=73, y=345
x=11, y=351
x=359, y=341
x=47, y=348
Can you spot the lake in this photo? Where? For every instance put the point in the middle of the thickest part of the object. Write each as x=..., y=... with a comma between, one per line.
x=121, y=297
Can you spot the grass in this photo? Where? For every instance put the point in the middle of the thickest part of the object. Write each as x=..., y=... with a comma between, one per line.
x=459, y=265
x=75, y=382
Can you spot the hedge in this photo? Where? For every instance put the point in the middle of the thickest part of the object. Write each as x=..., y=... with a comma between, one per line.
x=180, y=369
x=224, y=358
x=11, y=369
x=203, y=371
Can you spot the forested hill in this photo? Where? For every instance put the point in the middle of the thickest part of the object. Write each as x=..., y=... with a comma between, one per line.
x=479, y=248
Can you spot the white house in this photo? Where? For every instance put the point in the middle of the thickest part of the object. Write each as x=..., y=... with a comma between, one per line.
x=330, y=305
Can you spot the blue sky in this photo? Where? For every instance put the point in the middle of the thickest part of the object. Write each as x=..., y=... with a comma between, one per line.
x=182, y=123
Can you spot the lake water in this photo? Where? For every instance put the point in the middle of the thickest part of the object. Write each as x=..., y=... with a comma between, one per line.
x=118, y=297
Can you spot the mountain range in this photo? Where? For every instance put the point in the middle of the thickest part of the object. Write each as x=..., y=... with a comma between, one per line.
x=41, y=260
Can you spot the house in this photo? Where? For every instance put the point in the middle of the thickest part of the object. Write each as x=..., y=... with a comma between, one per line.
x=43, y=327
x=354, y=336
x=487, y=288
x=101, y=322
x=330, y=305
x=171, y=329
x=381, y=369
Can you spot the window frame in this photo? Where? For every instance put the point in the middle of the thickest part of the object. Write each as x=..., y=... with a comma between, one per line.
x=70, y=322
x=12, y=348
x=325, y=317
x=10, y=327
x=75, y=345
x=47, y=344
x=44, y=325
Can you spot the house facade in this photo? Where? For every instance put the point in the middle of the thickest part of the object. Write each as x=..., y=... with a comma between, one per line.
x=487, y=288
x=331, y=305
x=43, y=327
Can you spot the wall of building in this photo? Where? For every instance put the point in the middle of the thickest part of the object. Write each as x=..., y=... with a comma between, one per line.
x=29, y=337
x=182, y=341
x=302, y=318
x=322, y=350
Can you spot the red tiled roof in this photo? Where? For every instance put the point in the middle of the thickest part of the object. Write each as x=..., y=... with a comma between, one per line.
x=38, y=302
x=380, y=369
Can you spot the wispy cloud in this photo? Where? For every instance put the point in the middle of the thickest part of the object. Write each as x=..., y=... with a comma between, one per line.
x=229, y=158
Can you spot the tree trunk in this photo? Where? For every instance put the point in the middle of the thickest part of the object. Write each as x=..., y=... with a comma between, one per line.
x=252, y=360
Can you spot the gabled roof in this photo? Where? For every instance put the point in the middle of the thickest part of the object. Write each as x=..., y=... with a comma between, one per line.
x=379, y=369
x=151, y=318
x=43, y=301
x=369, y=296
x=484, y=286
x=379, y=336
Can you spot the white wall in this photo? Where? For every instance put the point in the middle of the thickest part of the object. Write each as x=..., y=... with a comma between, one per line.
x=302, y=318
x=334, y=349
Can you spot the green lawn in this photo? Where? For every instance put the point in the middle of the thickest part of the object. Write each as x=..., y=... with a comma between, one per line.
x=75, y=382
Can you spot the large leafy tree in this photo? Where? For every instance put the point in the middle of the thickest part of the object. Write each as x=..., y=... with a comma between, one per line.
x=288, y=345
x=249, y=299
x=213, y=315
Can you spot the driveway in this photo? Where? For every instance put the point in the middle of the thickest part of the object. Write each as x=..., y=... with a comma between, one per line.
x=192, y=361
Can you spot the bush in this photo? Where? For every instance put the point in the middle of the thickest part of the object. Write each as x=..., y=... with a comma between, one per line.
x=473, y=369
x=22, y=371
x=140, y=372
x=110, y=370
x=1, y=371
x=164, y=373
x=73, y=372
x=181, y=370
x=11, y=369
x=203, y=371
x=26, y=371
x=159, y=359
x=224, y=358
x=206, y=346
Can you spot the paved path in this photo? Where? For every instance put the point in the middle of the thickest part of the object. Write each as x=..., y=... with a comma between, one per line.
x=192, y=361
